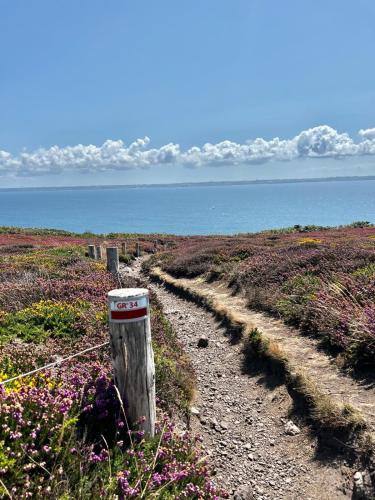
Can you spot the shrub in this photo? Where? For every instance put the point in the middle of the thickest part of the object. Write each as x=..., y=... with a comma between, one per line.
x=42, y=319
x=295, y=275
x=64, y=434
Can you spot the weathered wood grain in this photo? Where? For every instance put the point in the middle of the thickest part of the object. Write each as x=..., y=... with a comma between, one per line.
x=133, y=364
x=112, y=260
x=98, y=253
x=91, y=251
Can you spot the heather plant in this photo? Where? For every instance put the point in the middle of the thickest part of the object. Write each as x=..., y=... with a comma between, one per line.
x=296, y=294
x=40, y=261
x=318, y=279
x=43, y=451
x=63, y=431
x=345, y=309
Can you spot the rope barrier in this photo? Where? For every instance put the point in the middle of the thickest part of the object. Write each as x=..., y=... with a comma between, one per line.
x=50, y=365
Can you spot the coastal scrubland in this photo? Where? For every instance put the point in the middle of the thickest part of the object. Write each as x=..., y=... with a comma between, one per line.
x=63, y=431
x=321, y=280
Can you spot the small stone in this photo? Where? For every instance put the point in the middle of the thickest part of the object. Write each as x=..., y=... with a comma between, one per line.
x=203, y=342
x=194, y=410
x=362, y=486
x=244, y=492
x=291, y=429
x=214, y=423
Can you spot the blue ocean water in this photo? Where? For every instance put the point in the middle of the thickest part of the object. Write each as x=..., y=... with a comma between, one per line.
x=223, y=209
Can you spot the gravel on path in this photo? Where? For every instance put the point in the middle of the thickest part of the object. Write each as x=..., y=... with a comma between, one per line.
x=244, y=423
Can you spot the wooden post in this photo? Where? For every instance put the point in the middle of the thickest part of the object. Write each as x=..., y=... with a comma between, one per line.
x=98, y=253
x=132, y=355
x=155, y=245
x=138, y=250
x=91, y=250
x=112, y=260
x=123, y=248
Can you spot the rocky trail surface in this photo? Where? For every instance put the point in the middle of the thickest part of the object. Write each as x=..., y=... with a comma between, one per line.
x=301, y=351
x=253, y=445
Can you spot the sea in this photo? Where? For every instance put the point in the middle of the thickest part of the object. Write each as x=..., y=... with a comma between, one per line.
x=192, y=209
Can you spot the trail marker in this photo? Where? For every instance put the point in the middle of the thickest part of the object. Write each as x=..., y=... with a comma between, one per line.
x=91, y=251
x=98, y=253
x=132, y=355
x=112, y=260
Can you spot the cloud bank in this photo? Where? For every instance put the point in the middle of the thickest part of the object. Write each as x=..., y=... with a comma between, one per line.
x=317, y=142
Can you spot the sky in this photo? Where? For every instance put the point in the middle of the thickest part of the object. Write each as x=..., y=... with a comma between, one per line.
x=132, y=91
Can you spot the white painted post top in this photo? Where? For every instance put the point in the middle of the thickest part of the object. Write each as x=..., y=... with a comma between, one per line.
x=128, y=293
x=128, y=304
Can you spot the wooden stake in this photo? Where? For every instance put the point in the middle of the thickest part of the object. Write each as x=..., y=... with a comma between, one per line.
x=98, y=253
x=132, y=355
x=123, y=248
x=91, y=251
x=112, y=260
x=138, y=250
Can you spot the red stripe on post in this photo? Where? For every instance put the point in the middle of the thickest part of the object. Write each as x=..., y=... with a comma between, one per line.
x=137, y=313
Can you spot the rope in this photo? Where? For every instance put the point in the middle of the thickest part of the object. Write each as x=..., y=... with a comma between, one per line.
x=50, y=365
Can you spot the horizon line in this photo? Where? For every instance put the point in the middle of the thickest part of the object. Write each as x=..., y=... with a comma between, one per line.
x=293, y=180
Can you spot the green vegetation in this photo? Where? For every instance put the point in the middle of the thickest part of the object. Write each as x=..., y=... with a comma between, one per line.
x=64, y=431
x=317, y=279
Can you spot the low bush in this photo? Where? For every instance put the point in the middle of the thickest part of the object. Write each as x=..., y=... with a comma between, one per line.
x=44, y=318
x=64, y=432
x=321, y=282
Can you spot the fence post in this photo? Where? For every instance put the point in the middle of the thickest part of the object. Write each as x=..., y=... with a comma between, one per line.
x=98, y=253
x=112, y=260
x=91, y=251
x=123, y=248
x=138, y=250
x=132, y=355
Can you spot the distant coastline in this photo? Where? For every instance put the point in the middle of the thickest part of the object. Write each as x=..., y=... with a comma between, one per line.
x=197, y=184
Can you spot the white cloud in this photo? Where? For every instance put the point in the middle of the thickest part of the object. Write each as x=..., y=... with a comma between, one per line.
x=317, y=142
x=368, y=133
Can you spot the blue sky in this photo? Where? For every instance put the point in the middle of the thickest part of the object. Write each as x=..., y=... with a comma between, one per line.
x=185, y=73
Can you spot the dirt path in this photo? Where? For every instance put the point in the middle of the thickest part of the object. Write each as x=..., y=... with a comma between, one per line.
x=242, y=422
x=302, y=351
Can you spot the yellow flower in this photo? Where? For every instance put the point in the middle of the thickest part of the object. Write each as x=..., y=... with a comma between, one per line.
x=309, y=241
